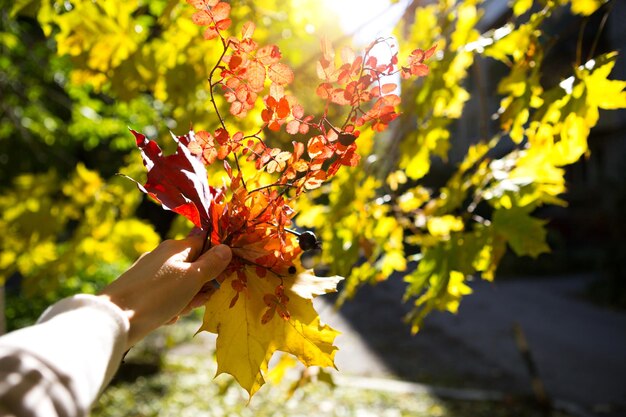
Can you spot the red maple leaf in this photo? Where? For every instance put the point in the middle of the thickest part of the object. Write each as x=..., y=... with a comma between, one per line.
x=178, y=181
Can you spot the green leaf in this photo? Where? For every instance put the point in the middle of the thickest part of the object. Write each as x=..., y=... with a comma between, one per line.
x=526, y=235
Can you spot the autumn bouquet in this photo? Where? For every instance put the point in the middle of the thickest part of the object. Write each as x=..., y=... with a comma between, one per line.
x=263, y=301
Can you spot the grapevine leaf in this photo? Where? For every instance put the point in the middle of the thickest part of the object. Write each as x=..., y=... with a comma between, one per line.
x=213, y=14
x=416, y=66
x=220, y=12
x=388, y=88
x=203, y=4
x=204, y=146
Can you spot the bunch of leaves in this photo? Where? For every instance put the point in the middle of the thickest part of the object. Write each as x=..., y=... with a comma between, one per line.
x=384, y=216
x=73, y=76
x=263, y=303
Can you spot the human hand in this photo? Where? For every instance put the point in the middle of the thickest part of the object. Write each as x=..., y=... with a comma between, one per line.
x=165, y=283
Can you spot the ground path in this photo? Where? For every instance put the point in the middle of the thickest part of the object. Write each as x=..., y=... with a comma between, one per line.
x=579, y=348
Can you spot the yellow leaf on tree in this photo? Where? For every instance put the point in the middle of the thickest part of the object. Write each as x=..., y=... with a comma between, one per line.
x=586, y=7
x=418, y=165
x=521, y=6
x=395, y=179
x=514, y=45
x=573, y=143
x=456, y=290
x=442, y=226
x=280, y=368
x=413, y=199
x=393, y=261
x=515, y=83
x=602, y=92
x=467, y=16
x=253, y=319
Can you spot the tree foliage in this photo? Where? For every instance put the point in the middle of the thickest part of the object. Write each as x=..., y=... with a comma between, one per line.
x=463, y=229
x=269, y=163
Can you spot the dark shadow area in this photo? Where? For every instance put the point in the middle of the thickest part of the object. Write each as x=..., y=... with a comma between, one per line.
x=432, y=356
x=131, y=370
x=577, y=347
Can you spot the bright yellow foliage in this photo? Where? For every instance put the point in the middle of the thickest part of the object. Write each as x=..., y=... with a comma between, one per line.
x=444, y=225
x=37, y=211
x=521, y=6
x=368, y=218
x=586, y=7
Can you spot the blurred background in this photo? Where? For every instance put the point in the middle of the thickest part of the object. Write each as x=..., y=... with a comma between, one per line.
x=547, y=337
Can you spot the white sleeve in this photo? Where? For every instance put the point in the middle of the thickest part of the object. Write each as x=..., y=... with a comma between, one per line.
x=59, y=366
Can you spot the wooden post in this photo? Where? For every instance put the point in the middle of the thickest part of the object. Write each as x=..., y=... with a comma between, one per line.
x=537, y=384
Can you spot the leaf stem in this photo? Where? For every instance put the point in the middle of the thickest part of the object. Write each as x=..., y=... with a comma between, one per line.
x=207, y=236
x=211, y=85
x=276, y=184
x=217, y=112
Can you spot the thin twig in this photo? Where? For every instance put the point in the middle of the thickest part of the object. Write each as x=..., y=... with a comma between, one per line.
x=276, y=184
x=599, y=31
x=211, y=85
x=482, y=99
x=579, y=45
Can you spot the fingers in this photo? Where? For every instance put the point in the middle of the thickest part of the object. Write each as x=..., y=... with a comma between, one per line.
x=196, y=238
x=185, y=250
x=195, y=243
x=211, y=263
x=200, y=299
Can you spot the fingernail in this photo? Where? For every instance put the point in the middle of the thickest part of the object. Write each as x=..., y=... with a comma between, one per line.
x=222, y=252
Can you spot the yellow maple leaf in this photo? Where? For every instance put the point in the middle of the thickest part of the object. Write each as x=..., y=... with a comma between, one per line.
x=258, y=315
x=602, y=92
x=586, y=7
x=573, y=141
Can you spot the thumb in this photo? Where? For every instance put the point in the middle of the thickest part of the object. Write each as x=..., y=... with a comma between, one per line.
x=211, y=263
